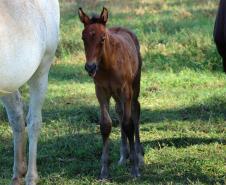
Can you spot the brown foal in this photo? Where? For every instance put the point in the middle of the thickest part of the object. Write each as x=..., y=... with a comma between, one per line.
x=113, y=60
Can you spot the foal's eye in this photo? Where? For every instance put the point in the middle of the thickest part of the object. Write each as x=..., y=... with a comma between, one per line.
x=92, y=33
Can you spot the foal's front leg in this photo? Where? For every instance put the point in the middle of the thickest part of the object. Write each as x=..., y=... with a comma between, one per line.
x=14, y=108
x=105, y=128
x=124, y=151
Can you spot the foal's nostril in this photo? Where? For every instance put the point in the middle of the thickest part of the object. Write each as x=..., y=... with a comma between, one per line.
x=90, y=68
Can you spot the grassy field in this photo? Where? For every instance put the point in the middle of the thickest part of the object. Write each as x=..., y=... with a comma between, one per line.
x=183, y=99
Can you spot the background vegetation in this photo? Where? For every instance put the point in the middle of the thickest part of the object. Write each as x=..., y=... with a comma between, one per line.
x=183, y=121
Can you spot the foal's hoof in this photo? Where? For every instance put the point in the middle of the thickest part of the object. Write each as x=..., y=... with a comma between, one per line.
x=104, y=174
x=141, y=160
x=122, y=161
x=135, y=173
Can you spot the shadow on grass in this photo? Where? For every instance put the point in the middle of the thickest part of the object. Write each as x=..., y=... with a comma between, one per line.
x=73, y=114
x=212, y=109
x=77, y=155
x=73, y=154
x=174, y=173
x=182, y=142
x=149, y=175
x=69, y=72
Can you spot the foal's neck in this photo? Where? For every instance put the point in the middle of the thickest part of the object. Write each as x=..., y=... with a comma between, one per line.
x=108, y=51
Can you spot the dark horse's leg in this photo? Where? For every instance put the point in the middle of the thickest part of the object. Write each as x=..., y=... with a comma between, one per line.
x=128, y=127
x=124, y=151
x=105, y=127
x=220, y=31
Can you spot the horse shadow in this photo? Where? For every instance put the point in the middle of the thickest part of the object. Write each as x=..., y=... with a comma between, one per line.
x=77, y=110
x=77, y=156
x=76, y=153
x=65, y=72
x=212, y=109
x=182, y=142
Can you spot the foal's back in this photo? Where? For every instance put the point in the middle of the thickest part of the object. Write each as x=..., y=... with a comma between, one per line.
x=126, y=34
x=127, y=48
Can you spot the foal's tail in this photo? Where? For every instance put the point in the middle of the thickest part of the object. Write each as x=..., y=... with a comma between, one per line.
x=136, y=82
x=136, y=105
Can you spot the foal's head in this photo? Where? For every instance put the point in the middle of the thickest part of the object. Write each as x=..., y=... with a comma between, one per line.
x=93, y=37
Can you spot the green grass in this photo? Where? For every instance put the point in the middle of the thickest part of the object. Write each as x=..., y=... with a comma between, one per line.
x=183, y=99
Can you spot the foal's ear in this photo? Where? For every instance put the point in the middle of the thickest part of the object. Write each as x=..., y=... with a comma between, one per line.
x=104, y=15
x=83, y=17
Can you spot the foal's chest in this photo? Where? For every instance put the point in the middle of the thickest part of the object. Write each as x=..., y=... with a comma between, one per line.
x=111, y=83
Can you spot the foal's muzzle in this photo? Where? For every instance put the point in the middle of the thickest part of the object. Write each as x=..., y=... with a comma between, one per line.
x=91, y=69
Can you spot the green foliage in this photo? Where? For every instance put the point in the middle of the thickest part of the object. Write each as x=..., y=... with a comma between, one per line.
x=183, y=100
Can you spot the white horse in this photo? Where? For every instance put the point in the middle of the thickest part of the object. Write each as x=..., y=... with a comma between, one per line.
x=28, y=40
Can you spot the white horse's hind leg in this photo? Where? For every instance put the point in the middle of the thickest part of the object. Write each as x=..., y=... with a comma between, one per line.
x=38, y=86
x=14, y=108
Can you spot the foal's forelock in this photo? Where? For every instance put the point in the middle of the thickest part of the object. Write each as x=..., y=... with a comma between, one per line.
x=95, y=19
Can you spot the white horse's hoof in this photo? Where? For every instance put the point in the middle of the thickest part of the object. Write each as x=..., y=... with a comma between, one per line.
x=17, y=181
x=31, y=180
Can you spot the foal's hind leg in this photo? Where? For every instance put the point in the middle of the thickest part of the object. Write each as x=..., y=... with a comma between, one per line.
x=38, y=86
x=124, y=151
x=136, y=114
x=14, y=108
x=128, y=127
x=136, y=118
x=105, y=127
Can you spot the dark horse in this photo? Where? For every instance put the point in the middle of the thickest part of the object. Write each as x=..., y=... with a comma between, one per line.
x=220, y=31
x=113, y=60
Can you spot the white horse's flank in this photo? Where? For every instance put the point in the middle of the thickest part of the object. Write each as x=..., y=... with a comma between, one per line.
x=28, y=41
